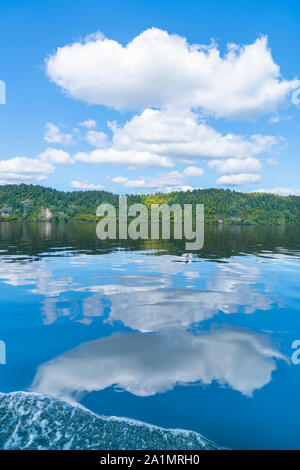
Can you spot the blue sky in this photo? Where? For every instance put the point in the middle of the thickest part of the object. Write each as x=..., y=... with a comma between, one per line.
x=181, y=115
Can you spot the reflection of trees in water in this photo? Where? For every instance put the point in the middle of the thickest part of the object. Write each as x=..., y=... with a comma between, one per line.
x=221, y=241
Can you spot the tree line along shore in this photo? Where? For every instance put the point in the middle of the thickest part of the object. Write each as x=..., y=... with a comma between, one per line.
x=38, y=203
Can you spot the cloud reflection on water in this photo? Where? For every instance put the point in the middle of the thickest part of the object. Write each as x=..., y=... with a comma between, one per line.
x=159, y=297
x=146, y=364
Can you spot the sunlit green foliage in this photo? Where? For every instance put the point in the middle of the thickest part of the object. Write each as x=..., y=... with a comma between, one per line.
x=29, y=202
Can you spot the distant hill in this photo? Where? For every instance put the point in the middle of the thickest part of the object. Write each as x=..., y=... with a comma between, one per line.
x=33, y=202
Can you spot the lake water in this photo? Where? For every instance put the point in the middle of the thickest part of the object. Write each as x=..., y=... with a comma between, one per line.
x=143, y=330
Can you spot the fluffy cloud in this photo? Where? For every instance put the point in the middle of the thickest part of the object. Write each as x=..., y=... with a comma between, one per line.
x=193, y=171
x=279, y=191
x=85, y=186
x=54, y=135
x=89, y=124
x=238, y=180
x=164, y=182
x=160, y=138
x=96, y=138
x=56, y=156
x=181, y=135
x=157, y=69
x=23, y=169
x=233, y=166
x=183, y=82
x=131, y=159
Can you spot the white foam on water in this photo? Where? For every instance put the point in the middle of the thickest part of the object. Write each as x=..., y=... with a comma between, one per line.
x=35, y=421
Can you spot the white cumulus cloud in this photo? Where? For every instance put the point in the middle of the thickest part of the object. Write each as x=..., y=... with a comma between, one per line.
x=85, y=186
x=239, y=179
x=127, y=158
x=279, y=191
x=89, y=124
x=96, y=138
x=157, y=69
x=56, y=156
x=180, y=134
x=160, y=138
x=164, y=182
x=193, y=171
x=23, y=169
x=234, y=165
x=54, y=135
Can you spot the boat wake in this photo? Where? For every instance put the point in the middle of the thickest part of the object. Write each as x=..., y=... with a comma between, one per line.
x=35, y=421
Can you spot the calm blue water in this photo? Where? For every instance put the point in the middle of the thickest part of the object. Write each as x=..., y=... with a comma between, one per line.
x=197, y=341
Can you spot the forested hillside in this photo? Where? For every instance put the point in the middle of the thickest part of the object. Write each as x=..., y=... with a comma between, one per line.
x=29, y=202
